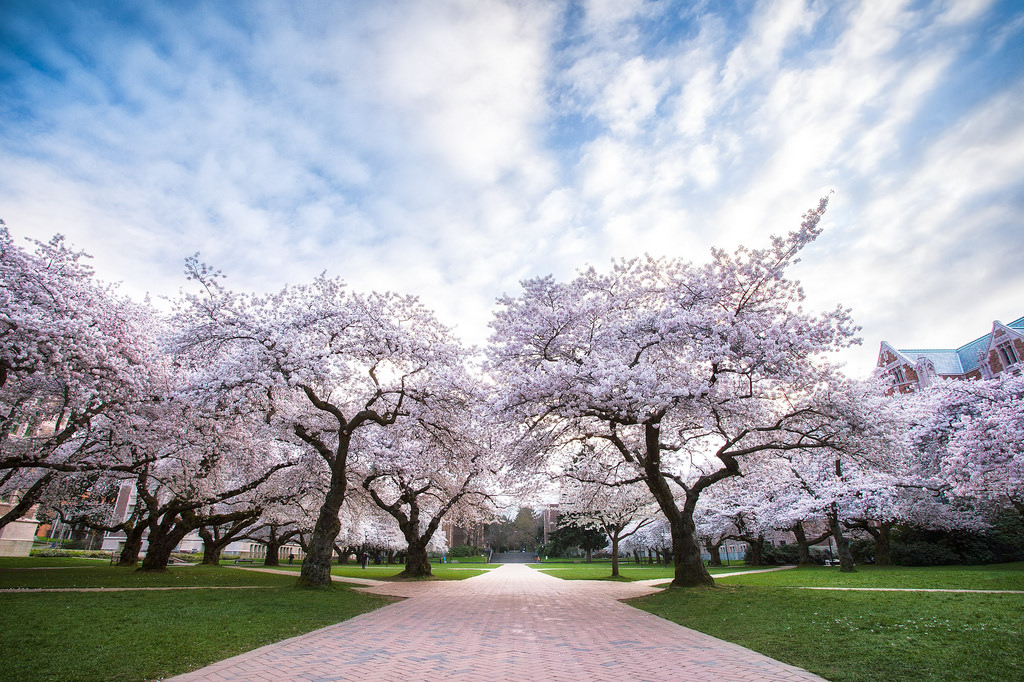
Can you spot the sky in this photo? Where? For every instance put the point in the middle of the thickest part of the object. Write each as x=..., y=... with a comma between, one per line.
x=452, y=148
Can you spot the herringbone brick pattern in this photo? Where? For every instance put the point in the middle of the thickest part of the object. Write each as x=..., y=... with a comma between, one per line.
x=513, y=623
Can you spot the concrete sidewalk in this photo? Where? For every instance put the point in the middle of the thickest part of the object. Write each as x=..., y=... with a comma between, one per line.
x=513, y=623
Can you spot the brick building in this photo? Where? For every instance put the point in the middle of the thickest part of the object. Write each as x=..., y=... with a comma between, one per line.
x=988, y=356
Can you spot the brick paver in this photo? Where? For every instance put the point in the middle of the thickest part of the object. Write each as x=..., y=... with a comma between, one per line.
x=513, y=623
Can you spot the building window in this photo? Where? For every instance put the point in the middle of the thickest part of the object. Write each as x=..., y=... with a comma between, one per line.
x=1008, y=354
x=897, y=375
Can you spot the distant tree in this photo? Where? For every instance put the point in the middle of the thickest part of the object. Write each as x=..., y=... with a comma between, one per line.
x=217, y=536
x=433, y=465
x=569, y=535
x=594, y=497
x=331, y=363
x=674, y=364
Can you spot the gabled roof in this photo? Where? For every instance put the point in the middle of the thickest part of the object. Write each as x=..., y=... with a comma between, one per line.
x=946, y=360
x=954, y=360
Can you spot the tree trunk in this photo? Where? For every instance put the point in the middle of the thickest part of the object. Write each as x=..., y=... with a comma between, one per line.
x=160, y=548
x=715, y=551
x=273, y=545
x=211, y=553
x=417, y=563
x=842, y=543
x=689, y=568
x=316, y=569
x=132, y=546
x=803, y=547
x=590, y=554
x=615, y=555
x=883, y=545
x=756, y=546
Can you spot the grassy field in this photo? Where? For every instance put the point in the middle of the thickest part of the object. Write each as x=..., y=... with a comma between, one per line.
x=841, y=635
x=628, y=572
x=862, y=636
x=990, y=577
x=103, y=575
x=148, y=635
x=439, y=571
x=49, y=562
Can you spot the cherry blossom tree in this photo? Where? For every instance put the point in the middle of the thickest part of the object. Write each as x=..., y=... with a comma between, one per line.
x=71, y=352
x=676, y=365
x=739, y=508
x=654, y=538
x=208, y=466
x=442, y=462
x=219, y=534
x=876, y=483
x=289, y=516
x=366, y=528
x=287, y=488
x=330, y=361
x=594, y=496
x=975, y=429
x=713, y=529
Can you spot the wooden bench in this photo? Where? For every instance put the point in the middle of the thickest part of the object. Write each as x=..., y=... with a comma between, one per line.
x=243, y=561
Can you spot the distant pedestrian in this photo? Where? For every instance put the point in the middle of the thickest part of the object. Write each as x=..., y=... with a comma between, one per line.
x=365, y=559
x=291, y=557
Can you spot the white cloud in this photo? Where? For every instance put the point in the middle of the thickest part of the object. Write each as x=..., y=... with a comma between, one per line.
x=774, y=27
x=449, y=149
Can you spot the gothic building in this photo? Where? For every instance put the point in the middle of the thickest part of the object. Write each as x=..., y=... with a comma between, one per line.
x=999, y=351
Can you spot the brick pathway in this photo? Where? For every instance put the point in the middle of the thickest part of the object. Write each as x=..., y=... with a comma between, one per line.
x=513, y=623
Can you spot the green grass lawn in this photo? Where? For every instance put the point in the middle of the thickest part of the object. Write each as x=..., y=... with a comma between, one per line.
x=114, y=576
x=48, y=562
x=866, y=636
x=628, y=572
x=990, y=577
x=149, y=635
x=439, y=571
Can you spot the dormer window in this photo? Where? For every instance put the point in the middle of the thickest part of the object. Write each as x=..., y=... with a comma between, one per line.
x=1008, y=355
x=897, y=375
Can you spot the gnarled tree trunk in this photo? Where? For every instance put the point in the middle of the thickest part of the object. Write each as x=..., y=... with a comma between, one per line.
x=842, y=542
x=132, y=546
x=417, y=562
x=714, y=550
x=161, y=545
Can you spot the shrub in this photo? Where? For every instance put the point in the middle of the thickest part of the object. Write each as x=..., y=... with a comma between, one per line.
x=778, y=556
x=190, y=557
x=462, y=550
x=863, y=550
x=79, y=553
x=923, y=554
x=1003, y=541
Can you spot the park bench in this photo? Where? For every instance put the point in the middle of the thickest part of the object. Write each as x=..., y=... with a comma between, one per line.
x=243, y=561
